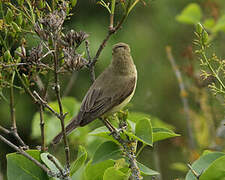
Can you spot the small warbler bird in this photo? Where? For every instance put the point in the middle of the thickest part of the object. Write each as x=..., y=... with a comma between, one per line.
x=110, y=92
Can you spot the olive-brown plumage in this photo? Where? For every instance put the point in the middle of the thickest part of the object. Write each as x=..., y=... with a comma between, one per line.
x=110, y=92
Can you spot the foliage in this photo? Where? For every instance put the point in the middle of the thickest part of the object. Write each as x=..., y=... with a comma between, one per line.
x=210, y=164
x=42, y=66
x=214, y=65
x=156, y=95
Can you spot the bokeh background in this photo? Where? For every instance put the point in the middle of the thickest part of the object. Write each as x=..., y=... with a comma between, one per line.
x=148, y=30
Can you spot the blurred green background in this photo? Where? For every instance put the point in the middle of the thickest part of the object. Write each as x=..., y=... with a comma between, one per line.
x=148, y=30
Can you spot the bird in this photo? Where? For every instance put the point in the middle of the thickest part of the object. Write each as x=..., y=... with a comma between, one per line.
x=109, y=93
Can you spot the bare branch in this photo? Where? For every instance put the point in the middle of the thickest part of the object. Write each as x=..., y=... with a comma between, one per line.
x=61, y=114
x=4, y=130
x=13, y=116
x=42, y=127
x=45, y=104
x=193, y=171
x=111, y=31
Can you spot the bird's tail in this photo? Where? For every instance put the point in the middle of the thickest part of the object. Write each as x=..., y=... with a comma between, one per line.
x=69, y=128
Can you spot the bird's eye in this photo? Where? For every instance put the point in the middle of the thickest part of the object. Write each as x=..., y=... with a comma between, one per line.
x=119, y=47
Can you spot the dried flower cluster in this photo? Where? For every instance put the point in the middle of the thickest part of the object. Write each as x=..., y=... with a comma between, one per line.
x=74, y=39
x=73, y=61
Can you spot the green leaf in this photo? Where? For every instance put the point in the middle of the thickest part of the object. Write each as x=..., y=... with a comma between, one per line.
x=136, y=116
x=203, y=163
x=52, y=127
x=96, y=171
x=190, y=15
x=102, y=132
x=21, y=168
x=70, y=105
x=49, y=163
x=81, y=158
x=215, y=171
x=107, y=150
x=156, y=122
x=220, y=25
x=145, y=171
x=143, y=131
x=113, y=174
x=162, y=133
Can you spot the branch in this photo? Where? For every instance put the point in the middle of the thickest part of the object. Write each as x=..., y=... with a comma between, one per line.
x=24, y=153
x=183, y=95
x=4, y=130
x=25, y=87
x=42, y=127
x=13, y=116
x=193, y=171
x=45, y=104
x=111, y=31
x=57, y=92
x=128, y=149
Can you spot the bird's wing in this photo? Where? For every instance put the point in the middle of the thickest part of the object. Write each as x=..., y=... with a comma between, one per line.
x=95, y=103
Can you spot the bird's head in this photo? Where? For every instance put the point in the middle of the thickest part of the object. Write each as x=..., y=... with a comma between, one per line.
x=120, y=49
x=122, y=61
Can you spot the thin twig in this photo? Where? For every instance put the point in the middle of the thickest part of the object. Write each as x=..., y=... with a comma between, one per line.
x=140, y=150
x=4, y=130
x=111, y=31
x=193, y=171
x=24, y=153
x=128, y=149
x=57, y=92
x=88, y=50
x=45, y=104
x=183, y=95
x=3, y=66
x=42, y=127
x=13, y=116
x=25, y=87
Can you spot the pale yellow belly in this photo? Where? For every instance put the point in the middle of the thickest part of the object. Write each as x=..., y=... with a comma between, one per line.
x=120, y=106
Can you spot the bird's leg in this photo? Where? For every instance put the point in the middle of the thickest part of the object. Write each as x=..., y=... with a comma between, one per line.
x=110, y=127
